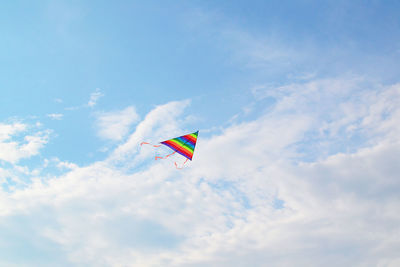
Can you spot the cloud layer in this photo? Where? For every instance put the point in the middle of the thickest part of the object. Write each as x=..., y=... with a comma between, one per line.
x=253, y=196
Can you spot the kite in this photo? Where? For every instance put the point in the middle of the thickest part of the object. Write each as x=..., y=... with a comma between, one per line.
x=183, y=145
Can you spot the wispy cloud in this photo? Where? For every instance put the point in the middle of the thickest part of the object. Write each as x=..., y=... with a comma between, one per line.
x=115, y=125
x=247, y=49
x=13, y=149
x=94, y=97
x=160, y=122
x=55, y=116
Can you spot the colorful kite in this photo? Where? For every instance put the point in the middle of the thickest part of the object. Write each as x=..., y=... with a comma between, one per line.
x=183, y=145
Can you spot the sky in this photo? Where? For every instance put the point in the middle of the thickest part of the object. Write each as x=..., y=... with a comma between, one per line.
x=297, y=104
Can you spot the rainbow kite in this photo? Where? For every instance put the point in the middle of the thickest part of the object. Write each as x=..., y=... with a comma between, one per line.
x=183, y=145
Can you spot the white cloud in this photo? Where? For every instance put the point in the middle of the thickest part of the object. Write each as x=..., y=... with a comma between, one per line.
x=163, y=120
x=247, y=199
x=7, y=130
x=115, y=125
x=55, y=116
x=94, y=97
x=12, y=149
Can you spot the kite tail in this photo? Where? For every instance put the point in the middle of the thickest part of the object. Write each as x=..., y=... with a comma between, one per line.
x=158, y=157
x=145, y=143
x=176, y=165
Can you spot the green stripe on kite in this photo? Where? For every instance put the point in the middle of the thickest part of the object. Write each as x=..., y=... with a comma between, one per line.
x=182, y=144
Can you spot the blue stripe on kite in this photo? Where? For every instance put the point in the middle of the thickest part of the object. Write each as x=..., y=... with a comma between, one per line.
x=186, y=141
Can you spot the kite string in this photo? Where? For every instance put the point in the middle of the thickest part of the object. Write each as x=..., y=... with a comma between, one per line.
x=176, y=165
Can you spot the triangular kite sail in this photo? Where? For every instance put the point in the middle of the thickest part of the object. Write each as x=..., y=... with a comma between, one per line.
x=183, y=145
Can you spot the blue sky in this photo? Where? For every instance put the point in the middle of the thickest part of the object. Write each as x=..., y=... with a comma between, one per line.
x=298, y=109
